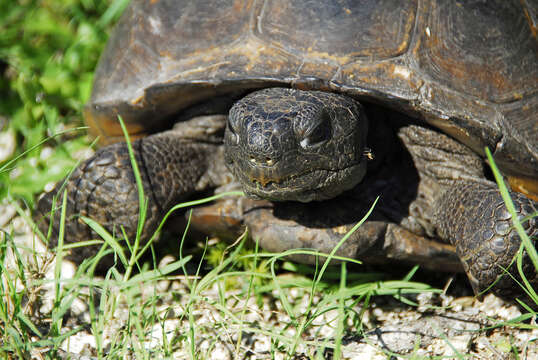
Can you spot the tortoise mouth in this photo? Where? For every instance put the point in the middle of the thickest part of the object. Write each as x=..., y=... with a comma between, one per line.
x=306, y=186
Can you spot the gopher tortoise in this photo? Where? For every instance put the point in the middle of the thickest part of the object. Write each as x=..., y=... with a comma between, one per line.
x=317, y=108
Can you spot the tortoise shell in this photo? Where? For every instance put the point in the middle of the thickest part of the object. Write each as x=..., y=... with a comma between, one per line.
x=469, y=68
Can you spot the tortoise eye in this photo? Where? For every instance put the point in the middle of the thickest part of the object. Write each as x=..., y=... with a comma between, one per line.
x=319, y=133
x=233, y=123
x=230, y=135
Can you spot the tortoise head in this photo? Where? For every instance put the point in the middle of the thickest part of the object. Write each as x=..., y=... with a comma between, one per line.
x=286, y=144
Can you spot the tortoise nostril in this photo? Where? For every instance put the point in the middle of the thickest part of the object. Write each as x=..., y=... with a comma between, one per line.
x=261, y=160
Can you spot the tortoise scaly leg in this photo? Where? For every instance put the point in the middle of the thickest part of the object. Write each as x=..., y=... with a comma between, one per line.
x=282, y=226
x=459, y=205
x=474, y=218
x=173, y=166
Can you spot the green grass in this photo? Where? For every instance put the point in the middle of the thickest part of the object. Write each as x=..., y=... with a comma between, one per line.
x=48, y=51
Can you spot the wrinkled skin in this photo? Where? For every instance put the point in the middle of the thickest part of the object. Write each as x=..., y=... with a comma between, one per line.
x=280, y=144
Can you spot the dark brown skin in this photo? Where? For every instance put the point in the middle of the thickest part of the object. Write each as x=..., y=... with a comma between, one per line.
x=174, y=165
x=469, y=69
x=290, y=145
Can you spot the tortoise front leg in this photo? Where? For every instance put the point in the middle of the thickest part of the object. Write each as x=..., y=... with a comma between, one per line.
x=319, y=227
x=474, y=218
x=173, y=166
x=458, y=204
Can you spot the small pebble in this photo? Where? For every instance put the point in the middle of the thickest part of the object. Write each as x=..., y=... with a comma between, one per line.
x=7, y=145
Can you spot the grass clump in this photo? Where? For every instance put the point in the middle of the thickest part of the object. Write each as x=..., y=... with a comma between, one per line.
x=48, y=52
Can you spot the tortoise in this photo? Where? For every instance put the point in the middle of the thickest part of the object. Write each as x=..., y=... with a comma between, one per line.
x=317, y=108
